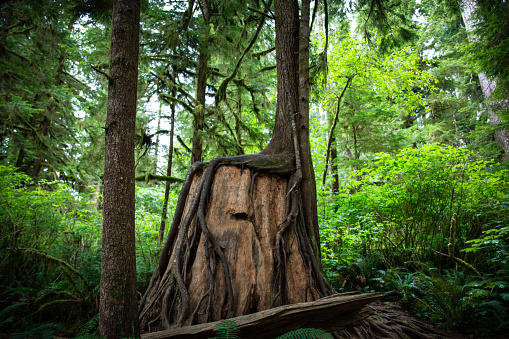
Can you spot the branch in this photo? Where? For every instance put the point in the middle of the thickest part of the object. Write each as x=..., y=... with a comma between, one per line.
x=221, y=92
x=183, y=144
x=262, y=53
x=329, y=141
x=149, y=176
x=102, y=72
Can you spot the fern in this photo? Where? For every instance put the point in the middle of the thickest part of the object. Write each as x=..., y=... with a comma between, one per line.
x=227, y=329
x=306, y=333
x=45, y=331
x=6, y=315
x=90, y=327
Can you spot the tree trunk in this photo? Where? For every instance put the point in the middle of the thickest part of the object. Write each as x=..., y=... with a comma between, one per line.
x=201, y=86
x=164, y=215
x=333, y=162
x=156, y=147
x=118, y=316
x=37, y=164
x=244, y=237
x=488, y=86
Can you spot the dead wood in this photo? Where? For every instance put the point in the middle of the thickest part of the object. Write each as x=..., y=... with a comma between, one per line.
x=330, y=313
x=238, y=245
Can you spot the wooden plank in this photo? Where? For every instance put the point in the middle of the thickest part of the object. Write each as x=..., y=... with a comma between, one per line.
x=330, y=313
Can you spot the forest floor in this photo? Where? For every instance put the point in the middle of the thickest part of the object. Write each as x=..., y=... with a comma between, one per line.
x=391, y=309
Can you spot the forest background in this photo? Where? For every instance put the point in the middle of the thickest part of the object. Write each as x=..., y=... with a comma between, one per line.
x=410, y=151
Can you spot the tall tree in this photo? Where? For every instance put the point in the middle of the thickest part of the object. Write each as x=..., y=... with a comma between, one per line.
x=247, y=239
x=471, y=17
x=118, y=315
x=36, y=111
x=201, y=87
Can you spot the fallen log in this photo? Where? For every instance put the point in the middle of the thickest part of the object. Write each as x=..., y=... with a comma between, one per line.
x=331, y=313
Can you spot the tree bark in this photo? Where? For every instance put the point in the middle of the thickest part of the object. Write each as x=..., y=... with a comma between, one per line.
x=308, y=185
x=118, y=316
x=156, y=147
x=201, y=86
x=488, y=86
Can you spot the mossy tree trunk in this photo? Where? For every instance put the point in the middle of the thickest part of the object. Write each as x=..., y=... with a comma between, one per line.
x=244, y=236
x=201, y=87
x=488, y=85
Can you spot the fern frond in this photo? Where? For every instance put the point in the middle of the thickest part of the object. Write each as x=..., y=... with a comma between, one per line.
x=7, y=315
x=306, y=333
x=44, y=331
x=56, y=302
x=227, y=329
x=90, y=327
x=67, y=268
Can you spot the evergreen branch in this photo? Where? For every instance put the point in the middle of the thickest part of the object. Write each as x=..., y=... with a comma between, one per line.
x=183, y=144
x=102, y=72
x=461, y=262
x=170, y=98
x=25, y=31
x=268, y=68
x=17, y=24
x=149, y=176
x=265, y=15
x=262, y=53
x=17, y=55
x=221, y=92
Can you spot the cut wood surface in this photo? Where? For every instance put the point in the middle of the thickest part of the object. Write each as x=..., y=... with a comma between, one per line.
x=330, y=313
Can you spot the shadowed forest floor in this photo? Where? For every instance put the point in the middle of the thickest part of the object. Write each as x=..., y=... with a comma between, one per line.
x=389, y=311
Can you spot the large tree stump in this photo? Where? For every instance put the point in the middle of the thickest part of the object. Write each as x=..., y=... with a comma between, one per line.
x=244, y=215
x=245, y=224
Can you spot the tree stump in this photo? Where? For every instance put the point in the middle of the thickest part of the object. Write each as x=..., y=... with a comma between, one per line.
x=245, y=214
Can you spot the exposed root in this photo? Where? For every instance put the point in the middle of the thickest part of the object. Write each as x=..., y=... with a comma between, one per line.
x=167, y=297
x=384, y=323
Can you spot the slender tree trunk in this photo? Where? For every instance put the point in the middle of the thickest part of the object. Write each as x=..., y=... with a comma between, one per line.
x=201, y=86
x=20, y=158
x=308, y=185
x=334, y=166
x=164, y=215
x=488, y=86
x=156, y=153
x=118, y=311
x=37, y=164
x=238, y=120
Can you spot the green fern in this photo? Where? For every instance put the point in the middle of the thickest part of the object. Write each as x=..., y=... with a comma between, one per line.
x=90, y=327
x=227, y=329
x=306, y=333
x=45, y=331
x=7, y=314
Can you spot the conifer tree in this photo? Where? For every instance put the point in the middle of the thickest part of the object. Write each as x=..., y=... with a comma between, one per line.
x=118, y=315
